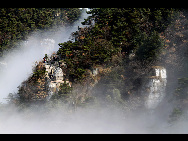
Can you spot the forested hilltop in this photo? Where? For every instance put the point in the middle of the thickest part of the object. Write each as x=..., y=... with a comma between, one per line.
x=17, y=23
x=110, y=59
x=117, y=31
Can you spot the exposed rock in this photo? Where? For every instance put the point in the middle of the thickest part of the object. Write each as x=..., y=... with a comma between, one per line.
x=48, y=83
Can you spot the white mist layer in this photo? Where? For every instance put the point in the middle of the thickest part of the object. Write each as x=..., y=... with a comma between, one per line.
x=17, y=65
x=85, y=121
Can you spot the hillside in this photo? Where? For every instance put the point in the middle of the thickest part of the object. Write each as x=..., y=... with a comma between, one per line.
x=116, y=52
x=121, y=58
x=18, y=23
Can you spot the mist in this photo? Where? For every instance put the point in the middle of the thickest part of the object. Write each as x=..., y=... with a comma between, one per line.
x=83, y=121
x=59, y=118
x=88, y=120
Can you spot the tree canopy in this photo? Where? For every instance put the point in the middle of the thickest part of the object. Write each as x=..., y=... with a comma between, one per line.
x=116, y=30
x=17, y=23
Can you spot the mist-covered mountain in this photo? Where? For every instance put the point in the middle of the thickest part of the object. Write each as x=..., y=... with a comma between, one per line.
x=124, y=64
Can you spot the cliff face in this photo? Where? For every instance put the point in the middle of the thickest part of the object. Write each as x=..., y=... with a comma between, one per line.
x=45, y=81
x=54, y=74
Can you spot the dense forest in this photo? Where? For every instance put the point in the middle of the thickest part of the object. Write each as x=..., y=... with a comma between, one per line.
x=17, y=23
x=118, y=31
x=124, y=43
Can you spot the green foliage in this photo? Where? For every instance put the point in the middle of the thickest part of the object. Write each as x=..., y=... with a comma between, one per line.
x=63, y=93
x=126, y=25
x=116, y=30
x=17, y=23
x=38, y=73
x=80, y=57
x=150, y=47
